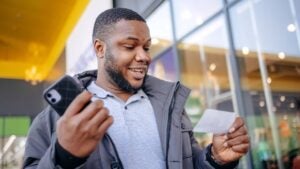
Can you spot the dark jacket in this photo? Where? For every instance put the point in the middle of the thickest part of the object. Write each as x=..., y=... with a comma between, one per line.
x=175, y=130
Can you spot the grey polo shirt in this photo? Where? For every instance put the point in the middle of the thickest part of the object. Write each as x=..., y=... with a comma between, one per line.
x=134, y=130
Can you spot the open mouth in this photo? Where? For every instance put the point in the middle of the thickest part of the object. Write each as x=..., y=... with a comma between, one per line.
x=138, y=72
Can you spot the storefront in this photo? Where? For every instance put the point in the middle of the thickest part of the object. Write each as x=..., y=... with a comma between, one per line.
x=241, y=56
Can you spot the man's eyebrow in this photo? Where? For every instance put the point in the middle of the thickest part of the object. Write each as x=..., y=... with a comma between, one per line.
x=136, y=39
x=132, y=38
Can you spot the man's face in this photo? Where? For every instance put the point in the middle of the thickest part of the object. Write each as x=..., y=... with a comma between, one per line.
x=127, y=55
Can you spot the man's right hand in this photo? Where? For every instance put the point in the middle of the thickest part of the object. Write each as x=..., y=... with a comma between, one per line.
x=80, y=130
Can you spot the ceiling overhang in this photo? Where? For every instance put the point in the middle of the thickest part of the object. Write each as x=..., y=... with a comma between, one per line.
x=33, y=35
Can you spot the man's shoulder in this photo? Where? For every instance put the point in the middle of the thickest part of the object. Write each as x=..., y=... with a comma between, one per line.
x=86, y=77
x=156, y=84
x=47, y=118
x=151, y=81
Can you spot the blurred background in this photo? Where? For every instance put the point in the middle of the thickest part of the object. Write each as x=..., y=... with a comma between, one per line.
x=235, y=55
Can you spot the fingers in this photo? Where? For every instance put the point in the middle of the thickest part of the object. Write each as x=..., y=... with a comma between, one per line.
x=241, y=148
x=94, y=123
x=78, y=103
x=87, y=119
x=104, y=126
x=238, y=138
x=238, y=132
x=100, y=116
x=237, y=129
x=93, y=117
x=90, y=110
x=239, y=122
x=243, y=139
x=96, y=129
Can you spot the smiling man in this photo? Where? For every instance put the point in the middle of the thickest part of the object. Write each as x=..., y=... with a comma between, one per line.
x=134, y=121
x=123, y=57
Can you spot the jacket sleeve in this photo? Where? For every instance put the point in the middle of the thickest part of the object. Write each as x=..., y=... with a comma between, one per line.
x=40, y=143
x=200, y=155
x=39, y=147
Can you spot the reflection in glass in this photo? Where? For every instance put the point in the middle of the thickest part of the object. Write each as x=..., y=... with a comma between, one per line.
x=191, y=13
x=163, y=66
x=204, y=69
x=203, y=61
x=159, y=24
x=271, y=37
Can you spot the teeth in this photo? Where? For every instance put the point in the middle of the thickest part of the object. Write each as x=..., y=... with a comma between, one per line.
x=137, y=70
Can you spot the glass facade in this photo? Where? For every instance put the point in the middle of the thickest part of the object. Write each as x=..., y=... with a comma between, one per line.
x=270, y=56
x=160, y=29
x=203, y=67
x=243, y=56
x=193, y=13
x=164, y=67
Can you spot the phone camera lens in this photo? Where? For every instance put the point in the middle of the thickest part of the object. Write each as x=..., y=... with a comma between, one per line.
x=53, y=100
x=49, y=95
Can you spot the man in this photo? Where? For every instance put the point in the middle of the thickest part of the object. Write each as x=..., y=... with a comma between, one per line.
x=135, y=121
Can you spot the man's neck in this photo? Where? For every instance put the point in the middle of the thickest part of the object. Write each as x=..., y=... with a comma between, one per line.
x=123, y=95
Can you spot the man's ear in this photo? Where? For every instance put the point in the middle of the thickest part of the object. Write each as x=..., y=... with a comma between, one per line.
x=99, y=47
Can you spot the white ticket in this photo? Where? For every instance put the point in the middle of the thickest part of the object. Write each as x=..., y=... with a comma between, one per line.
x=215, y=121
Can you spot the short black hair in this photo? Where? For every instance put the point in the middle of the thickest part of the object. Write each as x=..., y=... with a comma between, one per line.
x=106, y=19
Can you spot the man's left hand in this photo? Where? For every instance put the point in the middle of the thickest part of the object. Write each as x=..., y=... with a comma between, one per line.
x=233, y=145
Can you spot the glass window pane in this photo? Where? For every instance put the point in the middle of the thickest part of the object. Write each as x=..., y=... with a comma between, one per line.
x=191, y=13
x=296, y=6
x=160, y=28
x=204, y=69
x=271, y=36
x=137, y=5
x=229, y=1
x=164, y=66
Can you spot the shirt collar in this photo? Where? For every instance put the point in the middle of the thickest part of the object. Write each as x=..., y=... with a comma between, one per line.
x=102, y=94
x=98, y=91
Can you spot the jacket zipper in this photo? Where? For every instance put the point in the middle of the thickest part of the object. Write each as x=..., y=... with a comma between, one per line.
x=116, y=162
x=171, y=107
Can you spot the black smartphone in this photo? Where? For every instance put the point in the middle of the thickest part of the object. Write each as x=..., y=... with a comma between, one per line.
x=60, y=94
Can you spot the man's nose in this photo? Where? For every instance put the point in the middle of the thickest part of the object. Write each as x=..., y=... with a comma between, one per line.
x=143, y=55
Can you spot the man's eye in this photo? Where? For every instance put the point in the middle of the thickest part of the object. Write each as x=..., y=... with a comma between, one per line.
x=129, y=47
x=146, y=49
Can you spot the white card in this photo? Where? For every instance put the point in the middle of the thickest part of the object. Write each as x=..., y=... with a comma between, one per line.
x=215, y=121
